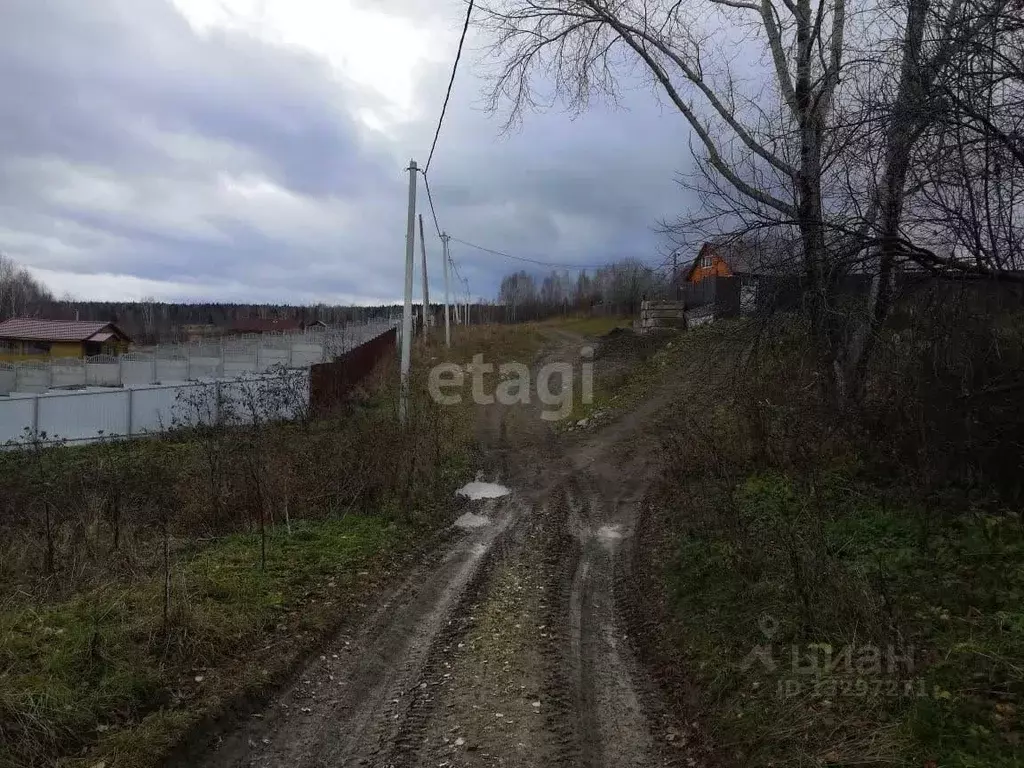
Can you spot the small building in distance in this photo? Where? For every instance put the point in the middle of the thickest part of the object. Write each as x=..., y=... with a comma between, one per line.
x=732, y=257
x=29, y=337
x=737, y=275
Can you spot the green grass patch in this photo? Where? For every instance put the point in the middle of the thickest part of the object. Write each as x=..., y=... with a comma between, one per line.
x=103, y=677
x=838, y=623
x=589, y=326
x=630, y=368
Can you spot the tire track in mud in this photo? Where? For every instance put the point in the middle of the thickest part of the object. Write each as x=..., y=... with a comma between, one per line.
x=613, y=727
x=411, y=733
x=485, y=698
x=351, y=705
x=562, y=559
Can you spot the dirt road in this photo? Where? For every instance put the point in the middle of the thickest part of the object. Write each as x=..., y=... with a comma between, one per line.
x=507, y=647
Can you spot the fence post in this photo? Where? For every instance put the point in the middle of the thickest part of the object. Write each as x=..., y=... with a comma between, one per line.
x=120, y=371
x=152, y=378
x=188, y=363
x=128, y=411
x=35, y=417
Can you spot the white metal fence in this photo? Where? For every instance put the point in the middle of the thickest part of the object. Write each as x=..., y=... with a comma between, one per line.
x=220, y=358
x=87, y=415
x=133, y=396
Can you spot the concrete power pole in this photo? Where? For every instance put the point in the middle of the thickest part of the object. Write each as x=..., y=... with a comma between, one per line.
x=447, y=305
x=457, y=303
x=426, y=291
x=410, y=245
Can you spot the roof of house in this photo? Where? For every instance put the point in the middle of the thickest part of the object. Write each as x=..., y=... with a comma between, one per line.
x=748, y=256
x=265, y=325
x=33, y=329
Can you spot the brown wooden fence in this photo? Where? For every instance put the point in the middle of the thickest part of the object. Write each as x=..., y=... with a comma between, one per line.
x=331, y=383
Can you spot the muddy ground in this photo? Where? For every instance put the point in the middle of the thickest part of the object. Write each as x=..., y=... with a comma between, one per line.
x=509, y=647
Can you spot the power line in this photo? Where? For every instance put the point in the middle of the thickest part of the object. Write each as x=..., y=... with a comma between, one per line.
x=563, y=265
x=451, y=82
x=430, y=199
x=529, y=260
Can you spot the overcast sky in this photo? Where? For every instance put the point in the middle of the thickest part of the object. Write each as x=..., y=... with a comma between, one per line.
x=254, y=150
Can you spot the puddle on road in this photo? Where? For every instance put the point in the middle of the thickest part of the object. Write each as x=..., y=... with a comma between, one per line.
x=609, y=533
x=469, y=521
x=478, y=490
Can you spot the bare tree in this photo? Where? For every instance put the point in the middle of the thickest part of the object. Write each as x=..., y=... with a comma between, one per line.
x=929, y=42
x=971, y=177
x=767, y=145
x=19, y=291
x=828, y=144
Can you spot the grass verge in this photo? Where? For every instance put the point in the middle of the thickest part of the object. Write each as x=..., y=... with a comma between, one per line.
x=100, y=677
x=814, y=602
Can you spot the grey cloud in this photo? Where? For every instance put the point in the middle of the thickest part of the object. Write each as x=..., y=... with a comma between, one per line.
x=81, y=75
x=122, y=98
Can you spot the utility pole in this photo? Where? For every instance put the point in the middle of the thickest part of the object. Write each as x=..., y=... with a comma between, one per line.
x=426, y=292
x=447, y=306
x=457, y=302
x=410, y=245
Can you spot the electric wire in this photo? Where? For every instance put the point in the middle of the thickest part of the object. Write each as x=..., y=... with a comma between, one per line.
x=430, y=197
x=451, y=82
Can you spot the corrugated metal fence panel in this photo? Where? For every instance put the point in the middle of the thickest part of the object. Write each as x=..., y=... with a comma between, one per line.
x=86, y=415
x=195, y=404
x=727, y=296
x=78, y=416
x=699, y=294
x=236, y=401
x=330, y=383
x=15, y=417
x=153, y=408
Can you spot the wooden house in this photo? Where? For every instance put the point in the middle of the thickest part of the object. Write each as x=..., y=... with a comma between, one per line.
x=28, y=337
